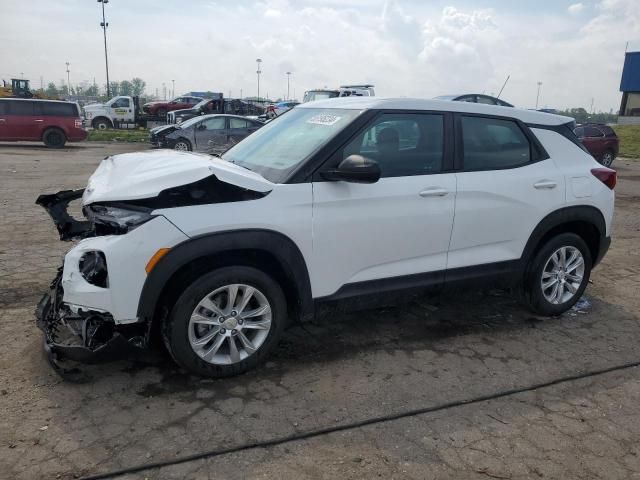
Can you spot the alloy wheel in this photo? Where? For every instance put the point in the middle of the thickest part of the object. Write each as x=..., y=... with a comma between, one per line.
x=607, y=159
x=182, y=146
x=230, y=324
x=562, y=275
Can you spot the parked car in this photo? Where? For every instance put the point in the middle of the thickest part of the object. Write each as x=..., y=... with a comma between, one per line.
x=279, y=108
x=49, y=121
x=364, y=90
x=475, y=98
x=204, y=107
x=160, y=108
x=206, y=133
x=338, y=203
x=600, y=140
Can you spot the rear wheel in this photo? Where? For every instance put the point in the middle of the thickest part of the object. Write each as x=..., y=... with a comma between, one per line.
x=183, y=145
x=607, y=158
x=226, y=322
x=558, y=275
x=54, y=138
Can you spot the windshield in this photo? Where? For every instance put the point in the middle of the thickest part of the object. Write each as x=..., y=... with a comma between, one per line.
x=191, y=121
x=281, y=145
x=313, y=95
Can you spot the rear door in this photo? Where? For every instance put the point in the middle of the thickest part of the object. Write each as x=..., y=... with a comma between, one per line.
x=239, y=128
x=211, y=135
x=506, y=185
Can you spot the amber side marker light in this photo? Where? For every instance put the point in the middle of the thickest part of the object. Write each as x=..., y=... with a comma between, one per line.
x=155, y=259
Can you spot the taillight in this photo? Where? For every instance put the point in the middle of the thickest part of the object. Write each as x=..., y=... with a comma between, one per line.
x=606, y=176
x=78, y=123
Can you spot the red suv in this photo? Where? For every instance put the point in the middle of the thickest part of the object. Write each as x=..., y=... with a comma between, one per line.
x=50, y=121
x=160, y=108
x=600, y=140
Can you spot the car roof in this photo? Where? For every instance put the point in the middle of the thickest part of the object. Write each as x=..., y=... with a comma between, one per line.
x=35, y=100
x=212, y=115
x=403, y=103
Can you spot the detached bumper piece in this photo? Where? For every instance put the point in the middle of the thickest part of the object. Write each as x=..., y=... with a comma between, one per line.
x=56, y=205
x=81, y=336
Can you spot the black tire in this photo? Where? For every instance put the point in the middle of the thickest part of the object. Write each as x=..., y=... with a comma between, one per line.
x=161, y=112
x=534, y=296
x=183, y=145
x=54, y=138
x=101, y=124
x=607, y=158
x=176, y=328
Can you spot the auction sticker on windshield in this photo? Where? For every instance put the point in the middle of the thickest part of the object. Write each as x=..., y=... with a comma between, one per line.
x=324, y=119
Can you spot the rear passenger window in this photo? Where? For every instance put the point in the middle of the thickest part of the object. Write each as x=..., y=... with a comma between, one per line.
x=3, y=108
x=491, y=144
x=20, y=108
x=56, y=109
x=402, y=144
x=593, y=132
x=237, y=123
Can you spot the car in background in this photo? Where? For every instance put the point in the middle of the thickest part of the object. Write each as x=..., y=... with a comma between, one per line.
x=161, y=108
x=364, y=90
x=204, y=107
x=50, y=121
x=475, y=98
x=600, y=141
x=279, y=108
x=213, y=134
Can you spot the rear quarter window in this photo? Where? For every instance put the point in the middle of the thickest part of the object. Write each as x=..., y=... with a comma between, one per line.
x=57, y=109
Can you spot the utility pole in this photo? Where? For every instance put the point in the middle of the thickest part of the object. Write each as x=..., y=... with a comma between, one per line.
x=288, y=75
x=240, y=94
x=68, y=78
x=258, y=61
x=173, y=89
x=164, y=91
x=538, y=95
x=104, y=26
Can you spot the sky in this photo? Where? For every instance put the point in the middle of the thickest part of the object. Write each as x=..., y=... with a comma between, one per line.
x=411, y=48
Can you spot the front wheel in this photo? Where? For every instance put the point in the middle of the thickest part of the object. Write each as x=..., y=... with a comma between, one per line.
x=183, y=145
x=558, y=275
x=226, y=322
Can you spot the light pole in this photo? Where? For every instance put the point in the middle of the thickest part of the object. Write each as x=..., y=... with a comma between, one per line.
x=68, y=78
x=258, y=61
x=288, y=76
x=164, y=91
x=104, y=26
x=538, y=95
x=173, y=89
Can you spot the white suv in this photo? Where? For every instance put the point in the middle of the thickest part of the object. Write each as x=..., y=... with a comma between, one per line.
x=336, y=200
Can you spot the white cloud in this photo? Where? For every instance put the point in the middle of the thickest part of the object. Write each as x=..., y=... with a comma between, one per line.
x=404, y=48
x=575, y=8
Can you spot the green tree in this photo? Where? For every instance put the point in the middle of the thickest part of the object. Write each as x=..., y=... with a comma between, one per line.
x=64, y=90
x=92, y=91
x=52, y=90
x=126, y=87
x=115, y=89
x=138, y=86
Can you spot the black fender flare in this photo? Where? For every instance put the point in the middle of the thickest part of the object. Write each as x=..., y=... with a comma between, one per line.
x=279, y=246
x=557, y=218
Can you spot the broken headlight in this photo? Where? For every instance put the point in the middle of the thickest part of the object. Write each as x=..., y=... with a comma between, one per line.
x=112, y=220
x=93, y=268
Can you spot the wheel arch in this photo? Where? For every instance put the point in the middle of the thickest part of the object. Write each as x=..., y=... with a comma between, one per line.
x=272, y=252
x=101, y=117
x=50, y=128
x=585, y=221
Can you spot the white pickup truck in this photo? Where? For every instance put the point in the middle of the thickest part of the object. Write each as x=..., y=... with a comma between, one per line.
x=118, y=110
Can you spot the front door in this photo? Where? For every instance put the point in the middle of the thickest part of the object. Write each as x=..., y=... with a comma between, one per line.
x=396, y=229
x=211, y=135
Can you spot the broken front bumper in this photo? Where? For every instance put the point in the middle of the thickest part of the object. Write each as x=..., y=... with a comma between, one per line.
x=87, y=336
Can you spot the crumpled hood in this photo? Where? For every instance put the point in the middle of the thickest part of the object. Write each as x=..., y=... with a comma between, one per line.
x=133, y=176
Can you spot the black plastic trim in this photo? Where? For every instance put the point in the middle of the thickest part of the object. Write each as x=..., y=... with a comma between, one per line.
x=278, y=245
x=565, y=130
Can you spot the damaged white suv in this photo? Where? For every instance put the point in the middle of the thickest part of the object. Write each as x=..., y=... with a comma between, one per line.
x=333, y=202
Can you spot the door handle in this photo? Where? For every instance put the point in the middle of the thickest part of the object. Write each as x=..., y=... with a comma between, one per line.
x=38, y=120
x=545, y=184
x=2, y=120
x=434, y=192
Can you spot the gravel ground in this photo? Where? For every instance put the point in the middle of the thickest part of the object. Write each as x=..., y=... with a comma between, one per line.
x=346, y=369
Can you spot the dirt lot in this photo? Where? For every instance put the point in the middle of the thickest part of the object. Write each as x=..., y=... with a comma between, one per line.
x=348, y=369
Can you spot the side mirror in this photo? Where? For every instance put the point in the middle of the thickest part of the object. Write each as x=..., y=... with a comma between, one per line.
x=202, y=127
x=355, y=169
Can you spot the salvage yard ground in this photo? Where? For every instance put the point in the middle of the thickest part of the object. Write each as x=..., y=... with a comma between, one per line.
x=347, y=369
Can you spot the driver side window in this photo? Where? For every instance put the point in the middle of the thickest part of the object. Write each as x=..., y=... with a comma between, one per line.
x=402, y=144
x=121, y=103
x=216, y=123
